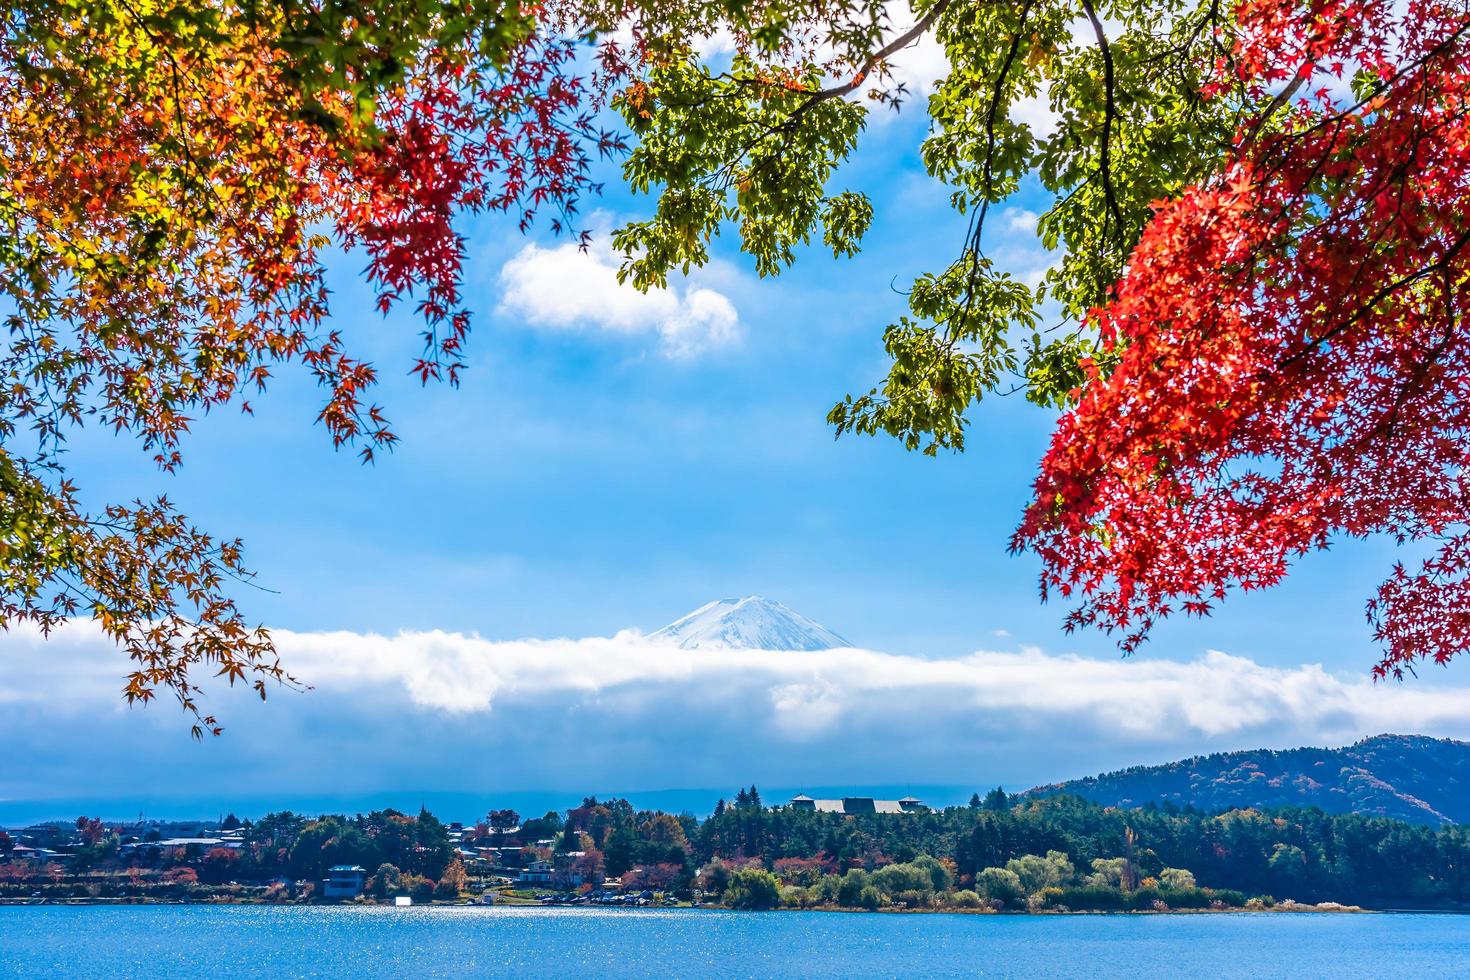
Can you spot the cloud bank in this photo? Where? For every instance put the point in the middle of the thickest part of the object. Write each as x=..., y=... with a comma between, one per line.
x=447, y=711
x=809, y=693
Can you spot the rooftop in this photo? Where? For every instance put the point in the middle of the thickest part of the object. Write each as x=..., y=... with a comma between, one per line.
x=850, y=805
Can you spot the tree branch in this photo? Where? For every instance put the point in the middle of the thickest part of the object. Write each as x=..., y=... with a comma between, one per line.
x=1110, y=110
x=882, y=54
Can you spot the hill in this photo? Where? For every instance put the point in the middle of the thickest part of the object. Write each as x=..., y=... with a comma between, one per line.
x=1408, y=777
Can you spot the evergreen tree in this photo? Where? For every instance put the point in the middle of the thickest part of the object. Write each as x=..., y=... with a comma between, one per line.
x=617, y=855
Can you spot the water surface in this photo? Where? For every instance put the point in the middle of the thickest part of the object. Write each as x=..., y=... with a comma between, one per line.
x=284, y=941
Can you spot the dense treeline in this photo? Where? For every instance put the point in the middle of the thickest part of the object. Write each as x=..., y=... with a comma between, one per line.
x=1302, y=854
x=300, y=847
x=1001, y=852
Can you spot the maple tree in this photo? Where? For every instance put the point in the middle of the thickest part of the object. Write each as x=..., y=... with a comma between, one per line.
x=172, y=175
x=1290, y=348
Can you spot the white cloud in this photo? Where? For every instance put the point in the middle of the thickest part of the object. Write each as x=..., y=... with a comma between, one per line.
x=1020, y=219
x=436, y=709
x=566, y=288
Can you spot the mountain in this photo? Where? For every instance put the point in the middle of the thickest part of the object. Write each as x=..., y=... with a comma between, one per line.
x=751, y=623
x=1408, y=777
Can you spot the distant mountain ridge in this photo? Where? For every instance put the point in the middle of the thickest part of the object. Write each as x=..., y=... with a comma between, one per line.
x=1414, y=778
x=750, y=623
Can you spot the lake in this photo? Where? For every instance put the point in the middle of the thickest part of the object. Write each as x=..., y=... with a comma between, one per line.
x=284, y=941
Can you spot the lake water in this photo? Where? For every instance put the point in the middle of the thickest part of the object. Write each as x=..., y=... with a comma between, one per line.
x=244, y=941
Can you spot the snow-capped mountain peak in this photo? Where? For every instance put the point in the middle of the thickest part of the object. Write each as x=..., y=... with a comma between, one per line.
x=751, y=623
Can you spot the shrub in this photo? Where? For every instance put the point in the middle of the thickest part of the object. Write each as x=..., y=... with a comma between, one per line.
x=1229, y=897
x=181, y=876
x=1092, y=898
x=1190, y=898
x=798, y=871
x=753, y=888
x=797, y=897
x=870, y=898
x=896, y=878
x=1145, y=898
x=452, y=882
x=850, y=890
x=420, y=888
x=1001, y=885
x=714, y=877
x=966, y=899
x=1039, y=873
x=940, y=876
x=915, y=899
x=1177, y=879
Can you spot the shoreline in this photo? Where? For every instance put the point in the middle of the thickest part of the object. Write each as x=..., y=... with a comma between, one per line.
x=1283, y=908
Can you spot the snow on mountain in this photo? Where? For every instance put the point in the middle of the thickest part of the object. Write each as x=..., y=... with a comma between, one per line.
x=751, y=623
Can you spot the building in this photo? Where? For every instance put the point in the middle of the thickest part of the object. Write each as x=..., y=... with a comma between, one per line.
x=343, y=881
x=21, y=852
x=189, y=846
x=47, y=836
x=853, y=805
x=536, y=873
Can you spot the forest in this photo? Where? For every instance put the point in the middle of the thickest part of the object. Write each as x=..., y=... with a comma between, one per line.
x=1005, y=853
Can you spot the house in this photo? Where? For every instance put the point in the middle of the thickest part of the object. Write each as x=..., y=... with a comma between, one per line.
x=536, y=873
x=21, y=852
x=47, y=836
x=343, y=881
x=852, y=805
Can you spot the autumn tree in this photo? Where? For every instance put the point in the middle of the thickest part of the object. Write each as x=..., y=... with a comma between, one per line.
x=91, y=830
x=1288, y=341
x=503, y=821
x=173, y=175
x=384, y=881
x=452, y=882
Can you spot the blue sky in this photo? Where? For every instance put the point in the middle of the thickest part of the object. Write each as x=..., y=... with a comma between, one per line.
x=581, y=481
x=611, y=463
